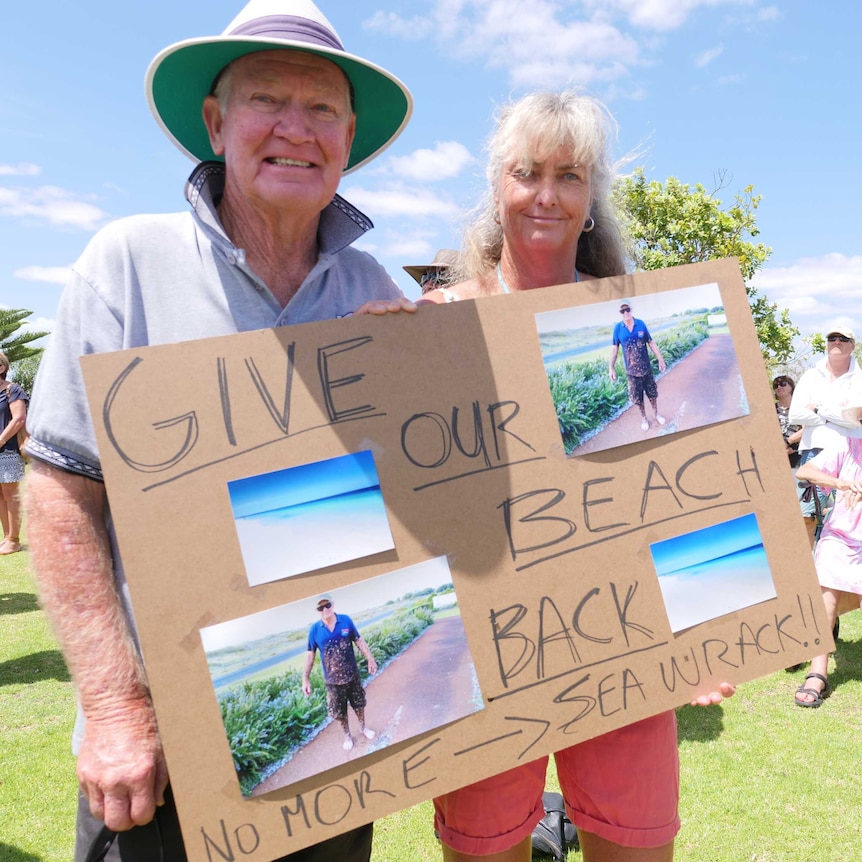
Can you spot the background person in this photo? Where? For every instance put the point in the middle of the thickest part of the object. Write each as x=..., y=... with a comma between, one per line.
x=838, y=553
x=547, y=220
x=334, y=636
x=633, y=336
x=818, y=403
x=782, y=387
x=13, y=416
x=274, y=110
x=435, y=274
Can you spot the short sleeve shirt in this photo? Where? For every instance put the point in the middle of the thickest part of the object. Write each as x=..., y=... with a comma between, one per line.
x=336, y=649
x=7, y=395
x=634, y=345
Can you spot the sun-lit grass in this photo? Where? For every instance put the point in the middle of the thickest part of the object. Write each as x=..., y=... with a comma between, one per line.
x=37, y=709
x=762, y=780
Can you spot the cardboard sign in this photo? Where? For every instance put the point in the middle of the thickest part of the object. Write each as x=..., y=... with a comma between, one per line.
x=567, y=580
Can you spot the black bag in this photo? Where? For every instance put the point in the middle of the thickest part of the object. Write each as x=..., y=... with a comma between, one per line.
x=554, y=833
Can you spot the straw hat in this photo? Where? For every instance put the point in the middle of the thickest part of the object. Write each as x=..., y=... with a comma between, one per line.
x=183, y=74
x=444, y=259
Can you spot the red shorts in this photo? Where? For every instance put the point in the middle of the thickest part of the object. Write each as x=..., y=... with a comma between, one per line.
x=622, y=786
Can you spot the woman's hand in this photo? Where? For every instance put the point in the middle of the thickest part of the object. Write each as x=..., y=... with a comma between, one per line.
x=725, y=689
x=385, y=306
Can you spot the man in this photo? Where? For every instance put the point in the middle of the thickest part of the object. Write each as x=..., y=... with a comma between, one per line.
x=632, y=334
x=435, y=274
x=819, y=400
x=334, y=636
x=274, y=110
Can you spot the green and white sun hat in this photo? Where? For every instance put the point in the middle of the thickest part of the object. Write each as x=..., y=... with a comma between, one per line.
x=183, y=74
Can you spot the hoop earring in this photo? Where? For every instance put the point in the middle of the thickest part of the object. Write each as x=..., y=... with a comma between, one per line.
x=589, y=224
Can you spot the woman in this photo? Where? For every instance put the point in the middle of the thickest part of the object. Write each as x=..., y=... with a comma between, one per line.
x=13, y=413
x=838, y=553
x=547, y=220
x=783, y=387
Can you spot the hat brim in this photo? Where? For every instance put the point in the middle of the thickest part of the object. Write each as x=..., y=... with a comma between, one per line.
x=180, y=77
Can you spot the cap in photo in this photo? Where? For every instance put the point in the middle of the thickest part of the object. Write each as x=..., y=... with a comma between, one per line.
x=183, y=74
x=625, y=304
x=321, y=599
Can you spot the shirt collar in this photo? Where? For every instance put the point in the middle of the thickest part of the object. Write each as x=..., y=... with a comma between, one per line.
x=341, y=223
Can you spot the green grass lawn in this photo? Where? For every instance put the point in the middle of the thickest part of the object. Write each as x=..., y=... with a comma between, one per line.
x=762, y=780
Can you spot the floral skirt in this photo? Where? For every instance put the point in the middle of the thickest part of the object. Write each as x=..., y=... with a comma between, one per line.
x=11, y=467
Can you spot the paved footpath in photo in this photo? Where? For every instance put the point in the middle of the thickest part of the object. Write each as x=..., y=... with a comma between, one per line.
x=703, y=388
x=426, y=686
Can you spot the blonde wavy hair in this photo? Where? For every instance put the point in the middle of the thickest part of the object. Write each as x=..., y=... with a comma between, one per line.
x=530, y=130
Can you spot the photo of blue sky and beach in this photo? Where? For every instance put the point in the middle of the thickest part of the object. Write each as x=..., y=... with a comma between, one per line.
x=309, y=517
x=712, y=572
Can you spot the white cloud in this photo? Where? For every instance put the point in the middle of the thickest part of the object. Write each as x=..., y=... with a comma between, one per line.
x=816, y=291
x=50, y=274
x=768, y=13
x=662, y=14
x=399, y=201
x=731, y=80
x=52, y=204
x=708, y=56
x=540, y=43
x=414, y=29
x=22, y=169
x=446, y=160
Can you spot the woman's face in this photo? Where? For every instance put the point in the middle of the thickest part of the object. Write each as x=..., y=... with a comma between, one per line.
x=543, y=205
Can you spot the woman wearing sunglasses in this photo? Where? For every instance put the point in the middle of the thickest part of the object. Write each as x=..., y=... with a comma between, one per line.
x=782, y=387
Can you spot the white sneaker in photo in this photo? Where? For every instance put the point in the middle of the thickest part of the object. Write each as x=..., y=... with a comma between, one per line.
x=660, y=419
x=348, y=743
x=644, y=425
x=368, y=733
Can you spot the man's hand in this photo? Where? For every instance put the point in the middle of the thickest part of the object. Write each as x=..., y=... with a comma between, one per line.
x=306, y=687
x=612, y=374
x=121, y=767
x=386, y=306
x=372, y=665
x=725, y=689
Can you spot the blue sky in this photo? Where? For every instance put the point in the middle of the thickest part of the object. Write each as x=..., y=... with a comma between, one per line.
x=710, y=543
x=763, y=93
x=302, y=484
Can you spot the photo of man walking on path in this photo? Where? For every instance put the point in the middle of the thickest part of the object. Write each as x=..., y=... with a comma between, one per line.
x=635, y=338
x=334, y=636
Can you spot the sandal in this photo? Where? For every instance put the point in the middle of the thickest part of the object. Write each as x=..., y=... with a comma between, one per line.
x=819, y=696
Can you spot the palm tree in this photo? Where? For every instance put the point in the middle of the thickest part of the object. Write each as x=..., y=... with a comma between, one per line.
x=23, y=358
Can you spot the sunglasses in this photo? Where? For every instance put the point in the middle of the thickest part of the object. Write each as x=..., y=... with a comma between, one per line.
x=624, y=310
x=842, y=338
x=780, y=383
x=324, y=606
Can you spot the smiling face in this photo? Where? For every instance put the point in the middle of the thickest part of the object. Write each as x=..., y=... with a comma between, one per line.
x=543, y=204
x=327, y=611
x=285, y=127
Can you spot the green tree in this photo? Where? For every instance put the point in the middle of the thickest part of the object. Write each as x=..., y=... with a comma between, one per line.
x=674, y=223
x=18, y=346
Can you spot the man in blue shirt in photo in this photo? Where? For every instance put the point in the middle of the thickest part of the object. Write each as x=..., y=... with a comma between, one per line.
x=334, y=636
x=634, y=337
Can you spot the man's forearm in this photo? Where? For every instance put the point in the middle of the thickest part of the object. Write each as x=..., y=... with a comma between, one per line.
x=72, y=560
